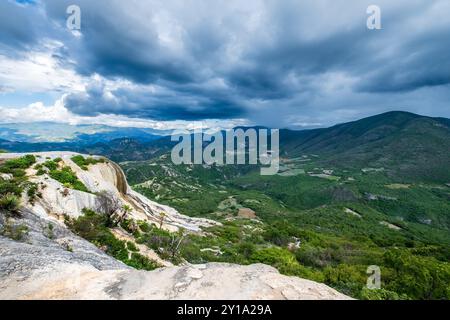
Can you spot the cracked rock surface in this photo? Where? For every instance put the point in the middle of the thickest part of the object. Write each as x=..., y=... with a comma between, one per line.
x=42, y=269
x=41, y=266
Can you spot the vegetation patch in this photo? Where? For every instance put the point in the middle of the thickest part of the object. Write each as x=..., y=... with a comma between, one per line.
x=10, y=203
x=20, y=163
x=95, y=228
x=16, y=232
x=64, y=174
x=12, y=189
x=33, y=192
x=84, y=163
x=330, y=246
x=68, y=178
x=167, y=245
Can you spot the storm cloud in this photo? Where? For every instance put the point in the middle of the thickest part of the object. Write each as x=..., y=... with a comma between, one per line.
x=277, y=63
x=153, y=102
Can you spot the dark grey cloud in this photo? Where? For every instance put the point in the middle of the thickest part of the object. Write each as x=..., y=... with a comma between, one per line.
x=120, y=42
x=273, y=62
x=16, y=25
x=154, y=103
x=418, y=62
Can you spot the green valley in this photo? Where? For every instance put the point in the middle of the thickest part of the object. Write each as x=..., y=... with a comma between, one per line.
x=323, y=217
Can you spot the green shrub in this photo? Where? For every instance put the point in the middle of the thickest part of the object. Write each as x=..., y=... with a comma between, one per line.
x=51, y=165
x=132, y=247
x=273, y=256
x=95, y=228
x=280, y=233
x=14, y=232
x=49, y=232
x=10, y=203
x=285, y=262
x=126, y=225
x=68, y=178
x=318, y=257
x=32, y=192
x=139, y=261
x=10, y=187
x=17, y=167
x=83, y=163
x=156, y=240
x=21, y=163
x=144, y=226
x=191, y=252
x=246, y=249
x=381, y=294
x=349, y=279
x=417, y=277
x=168, y=245
x=18, y=173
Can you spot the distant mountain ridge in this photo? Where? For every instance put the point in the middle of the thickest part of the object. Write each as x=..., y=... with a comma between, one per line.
x=404, y=143
x=50, y=132
x=357, y=132
x=408, y=143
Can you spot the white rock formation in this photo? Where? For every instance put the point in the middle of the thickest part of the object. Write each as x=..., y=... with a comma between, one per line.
x=6, y=176
x=200, y=282
x=58, y=201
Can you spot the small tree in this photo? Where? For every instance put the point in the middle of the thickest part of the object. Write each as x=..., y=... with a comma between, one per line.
x=126, y=209
x=175, y=244
x=129, y=224
x=162, y=217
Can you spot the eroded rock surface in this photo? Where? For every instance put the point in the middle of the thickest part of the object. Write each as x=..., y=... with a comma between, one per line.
x=74, y=280
x=107, y=177
x=60, y=265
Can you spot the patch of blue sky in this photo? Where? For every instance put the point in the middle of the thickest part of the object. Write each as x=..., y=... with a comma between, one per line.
x=18, y=99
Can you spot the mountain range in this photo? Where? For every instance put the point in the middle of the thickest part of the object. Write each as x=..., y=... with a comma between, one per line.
x=406, y=145
x=50, y=132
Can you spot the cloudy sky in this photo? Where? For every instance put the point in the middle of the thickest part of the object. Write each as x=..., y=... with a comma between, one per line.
x=170, y=64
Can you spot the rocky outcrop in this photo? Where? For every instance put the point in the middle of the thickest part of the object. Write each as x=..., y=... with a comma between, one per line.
x=67, y=267
x=45, y=245
x=58, y=201
x=203, y=282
